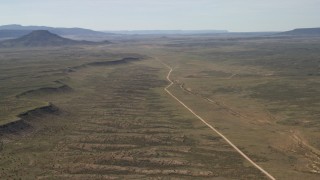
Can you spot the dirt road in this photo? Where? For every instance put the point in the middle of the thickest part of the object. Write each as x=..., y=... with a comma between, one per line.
x=211, y=127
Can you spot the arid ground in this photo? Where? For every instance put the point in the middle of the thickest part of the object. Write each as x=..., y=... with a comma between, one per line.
x=101, y=111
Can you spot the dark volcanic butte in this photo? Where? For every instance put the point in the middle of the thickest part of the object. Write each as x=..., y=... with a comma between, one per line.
x=44, y=38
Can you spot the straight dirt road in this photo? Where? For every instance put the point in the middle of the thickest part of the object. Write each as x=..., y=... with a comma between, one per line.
x=210, y=126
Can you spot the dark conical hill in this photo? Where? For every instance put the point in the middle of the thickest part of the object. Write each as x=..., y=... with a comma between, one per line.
x=42, y=38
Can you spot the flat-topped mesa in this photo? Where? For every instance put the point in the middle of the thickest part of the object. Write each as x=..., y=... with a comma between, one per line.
x=302, y=32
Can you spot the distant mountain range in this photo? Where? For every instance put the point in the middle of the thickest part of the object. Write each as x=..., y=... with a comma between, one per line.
x=164, y=32
x=302, y=32
x=15, y=30
x=44, y=38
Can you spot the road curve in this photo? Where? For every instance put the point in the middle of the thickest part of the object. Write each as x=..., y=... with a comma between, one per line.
x=211, y=127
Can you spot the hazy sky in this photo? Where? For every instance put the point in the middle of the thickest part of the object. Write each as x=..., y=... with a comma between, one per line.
x=233, y=15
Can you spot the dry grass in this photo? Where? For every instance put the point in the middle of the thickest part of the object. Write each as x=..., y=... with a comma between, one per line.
x=117, y=122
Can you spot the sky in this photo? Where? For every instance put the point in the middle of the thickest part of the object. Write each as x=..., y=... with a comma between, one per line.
x=232, y=15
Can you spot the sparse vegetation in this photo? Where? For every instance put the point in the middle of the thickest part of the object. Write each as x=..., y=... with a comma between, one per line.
x=100, y=112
